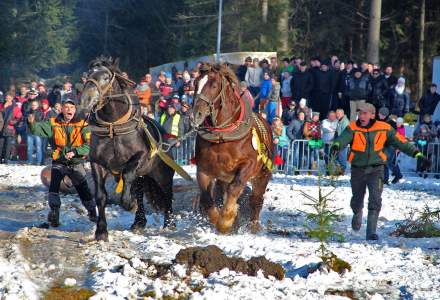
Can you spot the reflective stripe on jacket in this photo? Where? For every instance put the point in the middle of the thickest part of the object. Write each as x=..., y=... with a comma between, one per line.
x=72, y=136
x=174, y=130
x=368, y=143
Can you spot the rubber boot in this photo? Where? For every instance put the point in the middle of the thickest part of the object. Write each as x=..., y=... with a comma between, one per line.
x=54, y=217
x=356, y=221
x=373, y=215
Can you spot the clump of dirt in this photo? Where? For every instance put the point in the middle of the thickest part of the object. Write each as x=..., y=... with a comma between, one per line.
x=344, y=293
x=67, y=293
x=212, y=259
x=336, y=264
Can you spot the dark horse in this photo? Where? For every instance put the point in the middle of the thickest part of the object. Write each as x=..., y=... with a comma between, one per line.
x=233, y=147
x=119, y=145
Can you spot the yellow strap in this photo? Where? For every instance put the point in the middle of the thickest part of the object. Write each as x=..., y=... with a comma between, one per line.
x=120, y=185
x=261, y=151
x=163, y=155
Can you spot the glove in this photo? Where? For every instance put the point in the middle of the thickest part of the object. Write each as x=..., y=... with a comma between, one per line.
x=424, y=162
x=334, y=150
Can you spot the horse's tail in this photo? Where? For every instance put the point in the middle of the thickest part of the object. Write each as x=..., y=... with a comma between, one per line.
x=159, y=199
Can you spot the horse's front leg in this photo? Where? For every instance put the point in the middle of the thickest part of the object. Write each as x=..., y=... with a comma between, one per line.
x=229, y=210
x=139, y=220
x=207, y=202
x=99, y=174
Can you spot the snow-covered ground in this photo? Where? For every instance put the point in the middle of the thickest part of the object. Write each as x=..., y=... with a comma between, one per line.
x=394, y=268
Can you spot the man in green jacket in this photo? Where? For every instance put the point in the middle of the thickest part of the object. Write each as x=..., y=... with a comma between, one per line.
x=71, y=136
x=368, y=138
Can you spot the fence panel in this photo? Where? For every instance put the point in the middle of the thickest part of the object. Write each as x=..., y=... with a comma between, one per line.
x=298, y=156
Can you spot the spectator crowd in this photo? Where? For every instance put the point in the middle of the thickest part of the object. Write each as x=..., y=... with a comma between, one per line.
x=308, y=105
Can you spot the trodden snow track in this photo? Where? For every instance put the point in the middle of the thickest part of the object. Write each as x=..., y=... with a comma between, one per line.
x=32, y=259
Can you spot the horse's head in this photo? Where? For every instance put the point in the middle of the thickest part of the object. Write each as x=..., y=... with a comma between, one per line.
x=211, y=92
x=102, y=78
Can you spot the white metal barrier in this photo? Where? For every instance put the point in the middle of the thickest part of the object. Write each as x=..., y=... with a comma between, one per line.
x=298, y=156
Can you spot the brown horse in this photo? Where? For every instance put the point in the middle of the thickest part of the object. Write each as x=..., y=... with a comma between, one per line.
x=233, y=146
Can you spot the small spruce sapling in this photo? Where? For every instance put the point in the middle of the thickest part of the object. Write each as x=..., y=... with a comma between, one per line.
x=320, y=223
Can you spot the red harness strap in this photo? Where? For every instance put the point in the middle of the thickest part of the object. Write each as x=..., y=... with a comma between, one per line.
x=234, y=125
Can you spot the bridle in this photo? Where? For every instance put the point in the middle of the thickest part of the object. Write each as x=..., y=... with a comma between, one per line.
x=103, y=97
x=212, y=111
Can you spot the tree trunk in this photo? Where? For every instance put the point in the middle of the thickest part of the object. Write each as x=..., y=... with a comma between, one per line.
x=374, y=31
x=105, y=50
x=421, y=46
x=264, y=11
x=359, y=45
x=283, y=27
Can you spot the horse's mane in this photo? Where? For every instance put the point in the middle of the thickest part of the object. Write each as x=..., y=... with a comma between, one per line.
x=222, y=69
x=106, y=61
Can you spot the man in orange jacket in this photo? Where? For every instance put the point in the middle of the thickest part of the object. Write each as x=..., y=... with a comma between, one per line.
x=368, y=139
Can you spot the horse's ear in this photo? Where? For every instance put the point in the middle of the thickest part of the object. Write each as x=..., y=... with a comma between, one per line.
x=116, y=63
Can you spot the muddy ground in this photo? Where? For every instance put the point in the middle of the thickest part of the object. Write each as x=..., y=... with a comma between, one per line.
x=53, y=255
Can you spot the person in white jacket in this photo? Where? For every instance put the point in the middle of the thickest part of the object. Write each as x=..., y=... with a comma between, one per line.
x=329, y=127
x=253, y=77
x=286, y=92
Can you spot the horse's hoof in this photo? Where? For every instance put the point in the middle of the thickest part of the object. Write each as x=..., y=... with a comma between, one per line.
x=138, y=226
x=101, y=236
x=223, y=228
x=170, y=225
x=255, y=227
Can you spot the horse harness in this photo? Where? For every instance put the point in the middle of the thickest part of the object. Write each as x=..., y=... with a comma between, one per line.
x=237, y=130
x=130, y=122
x=226, y=131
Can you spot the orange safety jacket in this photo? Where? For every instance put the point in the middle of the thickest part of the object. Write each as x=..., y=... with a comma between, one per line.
x=73, y=136
x=368, y=143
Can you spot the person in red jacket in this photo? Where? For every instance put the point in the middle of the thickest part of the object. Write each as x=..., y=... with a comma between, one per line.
x=11, y=114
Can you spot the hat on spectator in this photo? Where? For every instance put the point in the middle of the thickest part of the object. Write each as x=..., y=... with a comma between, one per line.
x=33, y=91
x=185, y=104
x=171, y=105
x=357, y=70
x=70, y=100
x=303, y=101
x=162, y=103
x=367, y=107
x=401, y=80
x=384, y=111
x=175, y=96
x=326, y=62
x=186, y=76
x=315, y=113
x=303, y=63
x=399, y=120
x=45, y=101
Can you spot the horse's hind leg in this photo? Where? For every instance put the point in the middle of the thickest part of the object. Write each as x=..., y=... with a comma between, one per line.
x=159, y=191
x=99, y=174
x=229, y=210
x=139, y=220
x=207, y=194
x=256, y=199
